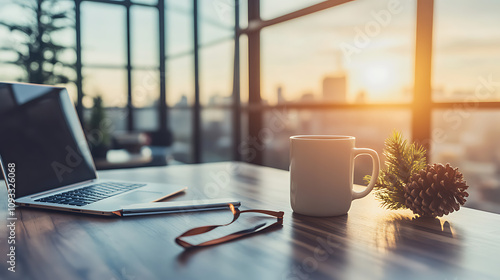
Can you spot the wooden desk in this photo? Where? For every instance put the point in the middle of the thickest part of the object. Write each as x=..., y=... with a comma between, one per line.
x=368, y=243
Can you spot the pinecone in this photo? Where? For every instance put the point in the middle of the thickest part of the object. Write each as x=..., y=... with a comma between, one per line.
x=436, y=190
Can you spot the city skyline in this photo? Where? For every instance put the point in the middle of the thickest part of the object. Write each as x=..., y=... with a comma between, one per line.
x=296, y=53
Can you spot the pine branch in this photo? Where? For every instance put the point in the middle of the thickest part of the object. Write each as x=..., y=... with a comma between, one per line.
x=402, y=160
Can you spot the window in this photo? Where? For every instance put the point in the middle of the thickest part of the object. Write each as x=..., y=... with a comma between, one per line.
x=179, y=77
x=466, y=51
x=309, y=84
x=331, y=56
x=23, y=59
x=108, y=45
x=466, y=91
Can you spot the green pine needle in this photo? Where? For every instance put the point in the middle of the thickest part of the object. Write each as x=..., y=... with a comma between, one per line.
x=402, y=160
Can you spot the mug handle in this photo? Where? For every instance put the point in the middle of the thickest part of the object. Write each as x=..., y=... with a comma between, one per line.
x=375, y=170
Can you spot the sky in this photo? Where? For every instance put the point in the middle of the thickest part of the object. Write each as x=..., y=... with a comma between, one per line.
x=296, y=55
x=329, y=43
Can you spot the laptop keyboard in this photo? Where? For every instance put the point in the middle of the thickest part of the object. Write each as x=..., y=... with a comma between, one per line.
x=90, y=194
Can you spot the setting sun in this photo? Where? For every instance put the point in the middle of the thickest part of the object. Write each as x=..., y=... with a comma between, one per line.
x=377, y=76
x=380, y=79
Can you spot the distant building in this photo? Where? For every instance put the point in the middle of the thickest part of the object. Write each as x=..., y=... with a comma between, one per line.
x=281, y=99
x=217, y=99
x=335, y=89
x=461, y=94
x=361, y=97
x=307, y=97
x=183, y=102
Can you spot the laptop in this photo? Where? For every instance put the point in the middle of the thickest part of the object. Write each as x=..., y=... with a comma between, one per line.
x=47, y=160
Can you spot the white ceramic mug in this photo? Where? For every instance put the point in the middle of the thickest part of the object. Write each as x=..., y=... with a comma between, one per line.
x=321, y=174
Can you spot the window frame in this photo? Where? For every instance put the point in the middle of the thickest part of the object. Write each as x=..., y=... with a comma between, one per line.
x=421, y=106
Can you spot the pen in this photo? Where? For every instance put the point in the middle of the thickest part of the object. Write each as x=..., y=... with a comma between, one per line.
x=177, y=207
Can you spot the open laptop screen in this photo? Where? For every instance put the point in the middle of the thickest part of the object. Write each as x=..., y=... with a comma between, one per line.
x=41, y=134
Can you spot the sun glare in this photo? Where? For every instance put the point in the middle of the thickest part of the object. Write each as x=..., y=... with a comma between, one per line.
x=377, y=76
x=379, y=80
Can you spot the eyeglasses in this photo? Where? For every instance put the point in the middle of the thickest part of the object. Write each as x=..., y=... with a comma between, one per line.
x=236, y=214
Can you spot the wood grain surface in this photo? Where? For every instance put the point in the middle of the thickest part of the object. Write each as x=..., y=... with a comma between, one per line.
x=368, y=243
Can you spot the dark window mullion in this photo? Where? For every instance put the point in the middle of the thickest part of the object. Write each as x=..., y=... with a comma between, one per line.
x=327, y=4
x=236, y=85
x=422, y=96
x=254, y=98
x=163, y=115
x=130, y=108
x=125, y=3
x=78, y=66
x=196, y=106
